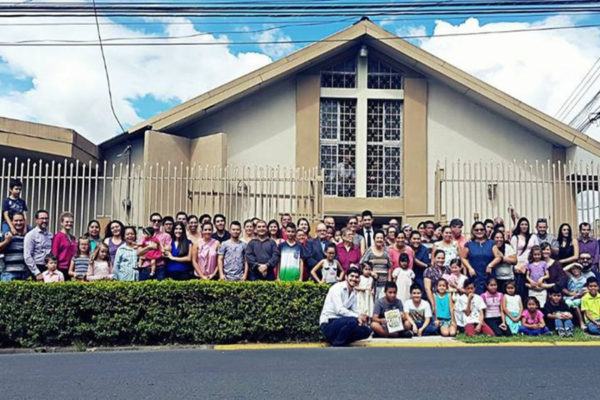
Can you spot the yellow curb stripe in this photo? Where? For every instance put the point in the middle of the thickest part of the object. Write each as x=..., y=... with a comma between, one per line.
x=405, y=344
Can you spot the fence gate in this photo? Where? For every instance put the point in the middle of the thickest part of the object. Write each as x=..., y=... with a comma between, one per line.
x=130, y=193
x=560, y=192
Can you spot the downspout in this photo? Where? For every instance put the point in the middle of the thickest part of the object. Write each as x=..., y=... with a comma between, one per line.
x=126, y=203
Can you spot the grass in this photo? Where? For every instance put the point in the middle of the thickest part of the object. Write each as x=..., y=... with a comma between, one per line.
x=578, y=336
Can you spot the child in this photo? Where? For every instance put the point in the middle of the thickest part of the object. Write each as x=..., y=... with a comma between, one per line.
x=590, y=307
x=512, y=307
x=337, y=237
x=403, y=277
x=390, y=302
x=420, y=313
x=455, y=279
x=152, y=256
x=575, y=290
x=100, y=267
x=537, y=274
x=11, y=205
x=558, y=316
x=80, y=263
x=331, y=268
x=444, y=310
x=52, y=274
x=365, y=291
x=494, y=317
x=533, y=323
x=468, y=312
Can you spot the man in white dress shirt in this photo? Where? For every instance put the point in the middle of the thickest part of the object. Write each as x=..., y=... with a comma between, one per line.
x=340, y=321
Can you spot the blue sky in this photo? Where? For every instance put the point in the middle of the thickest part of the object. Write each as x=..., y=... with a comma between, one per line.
x=65, y=86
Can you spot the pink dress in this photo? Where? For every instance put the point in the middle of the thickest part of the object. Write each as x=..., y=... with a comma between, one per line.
x=207, y=256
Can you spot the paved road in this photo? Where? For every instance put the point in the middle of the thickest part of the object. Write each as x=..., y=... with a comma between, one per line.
x=365, y=373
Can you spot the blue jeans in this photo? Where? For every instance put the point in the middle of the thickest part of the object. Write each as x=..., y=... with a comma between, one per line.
x=593, y=329
x=430, y=330
x=8, y=276
x=159, y=276
x=343, y=331
x=533, y=332
x=564, y=324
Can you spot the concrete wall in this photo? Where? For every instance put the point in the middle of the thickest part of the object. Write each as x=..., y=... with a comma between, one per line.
x=460, y=129
x=261, y=128
x=209, y=150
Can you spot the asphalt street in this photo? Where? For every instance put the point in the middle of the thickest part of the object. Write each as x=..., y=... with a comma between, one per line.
x=375, y=373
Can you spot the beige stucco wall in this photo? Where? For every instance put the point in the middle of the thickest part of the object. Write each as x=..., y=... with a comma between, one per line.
x=261, y=128
x=209, y=150
x=460, y=129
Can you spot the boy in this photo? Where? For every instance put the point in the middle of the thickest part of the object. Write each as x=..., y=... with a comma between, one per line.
x=590, y=307
x=51, y=274
x=387, y=303
x=575, y=290
x=289, y=252
x=558, y=317
x=11, y=205
x=469, y=312
x=420, y=313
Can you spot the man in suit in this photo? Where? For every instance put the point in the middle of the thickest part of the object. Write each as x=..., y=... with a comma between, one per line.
x=367, y=230
x=316, y=247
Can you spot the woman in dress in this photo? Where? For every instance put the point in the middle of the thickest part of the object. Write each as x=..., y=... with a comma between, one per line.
x=179, y=255
x=204, y=254
x=522, y=241
x=478, y=256
x=568, y=249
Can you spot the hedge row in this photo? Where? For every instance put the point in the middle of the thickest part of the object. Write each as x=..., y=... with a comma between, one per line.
x=167, y=312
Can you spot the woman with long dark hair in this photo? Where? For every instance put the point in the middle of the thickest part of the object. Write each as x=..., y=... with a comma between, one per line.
x=568, y=249
x=503, y=271
x=114, y=237
x=179, y=255
x=93, y=234
x=522, y=241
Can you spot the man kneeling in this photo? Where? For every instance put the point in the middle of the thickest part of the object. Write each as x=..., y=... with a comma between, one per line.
x=401, y=327
x=340, y=321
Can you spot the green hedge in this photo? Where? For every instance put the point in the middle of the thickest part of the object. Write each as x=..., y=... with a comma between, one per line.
x=168, y=312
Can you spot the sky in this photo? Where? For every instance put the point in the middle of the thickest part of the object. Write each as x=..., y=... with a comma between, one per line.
x=66, y=86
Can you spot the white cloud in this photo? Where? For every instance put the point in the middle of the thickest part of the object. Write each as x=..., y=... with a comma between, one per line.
x=277, y=48
x=540, y=68
x=69, y=87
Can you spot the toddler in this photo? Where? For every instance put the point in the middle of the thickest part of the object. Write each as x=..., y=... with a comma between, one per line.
x=52, y=274
x=365, y=291
x=151, y=256
x=404, y=278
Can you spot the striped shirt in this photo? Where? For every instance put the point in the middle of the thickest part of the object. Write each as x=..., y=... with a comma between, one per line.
x=14, y=259
x=80, y=265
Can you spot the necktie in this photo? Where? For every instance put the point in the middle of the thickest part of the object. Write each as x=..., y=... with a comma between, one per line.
x=368, y=232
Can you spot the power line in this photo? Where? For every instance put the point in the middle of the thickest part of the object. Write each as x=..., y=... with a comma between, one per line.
x=110, y=97
x=580, y=90
x=75, y=43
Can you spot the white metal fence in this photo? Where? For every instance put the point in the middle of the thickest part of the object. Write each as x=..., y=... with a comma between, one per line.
x=130, y=193
x=560, y=192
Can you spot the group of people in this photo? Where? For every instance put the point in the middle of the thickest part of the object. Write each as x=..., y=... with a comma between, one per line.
x=497, y=282
x=436, y=281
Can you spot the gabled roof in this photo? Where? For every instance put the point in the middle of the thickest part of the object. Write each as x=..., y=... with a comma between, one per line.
x=396, y=48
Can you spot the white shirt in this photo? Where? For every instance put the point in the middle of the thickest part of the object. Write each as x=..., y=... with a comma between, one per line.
x=477, y=307
x=339, y=303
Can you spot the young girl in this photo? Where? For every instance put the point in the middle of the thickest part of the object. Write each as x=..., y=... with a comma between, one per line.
x=444, y=310
x=331, y=269
x=455, y=279
x=404, y=278
x=575, y=290
x=533, y=319
x=100, y=267
x=151, y=256
x=365, y=291
x=494, y=317
x=79, y=264
x=537, y=274
x=512, y=307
